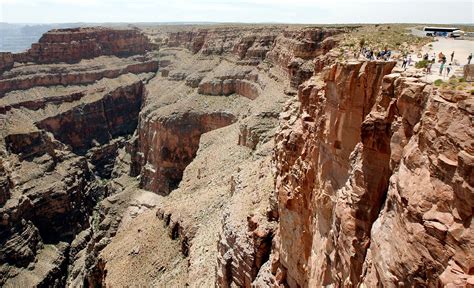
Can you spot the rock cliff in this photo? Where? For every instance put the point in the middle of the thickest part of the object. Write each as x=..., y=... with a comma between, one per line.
x=349, y=169
x=61, y=127
x=229, y=156
x=73, y=45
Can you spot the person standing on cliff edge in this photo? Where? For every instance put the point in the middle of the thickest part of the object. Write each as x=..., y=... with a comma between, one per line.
x=441, y=68
x=452, y=56
x=469, y=58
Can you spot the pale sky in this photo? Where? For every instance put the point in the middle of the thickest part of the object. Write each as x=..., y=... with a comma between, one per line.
x=283, y=11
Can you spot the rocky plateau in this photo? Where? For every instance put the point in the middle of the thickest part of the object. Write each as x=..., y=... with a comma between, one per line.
x=229, y=156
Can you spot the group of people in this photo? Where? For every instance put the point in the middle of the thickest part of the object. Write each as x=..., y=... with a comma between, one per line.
x=441, y=58
x=372, y=55
x=406, y=62
x=385, y=54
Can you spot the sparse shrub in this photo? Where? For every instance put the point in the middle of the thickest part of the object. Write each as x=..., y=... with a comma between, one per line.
x=438, y=82
x=453, y=81
x=472, y=92
x=422, y=64
x=461, y=80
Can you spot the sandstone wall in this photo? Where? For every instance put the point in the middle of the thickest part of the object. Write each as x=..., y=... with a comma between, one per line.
x=52, y=77
x=6, y=61
x=96, y=123
x=350, y=211
x=168, y=144
x=72, y=45
x=423, y=235
x=294, y=51
x=58, y=144
x=51, y=209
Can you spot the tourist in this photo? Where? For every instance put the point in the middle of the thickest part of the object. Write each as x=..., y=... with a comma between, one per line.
x=448, y=69
x=441, y=68
x=440, y=56
x=404, y=63
x=469, y=58
x=409, y=61
x=452, y=56
x=428, y=68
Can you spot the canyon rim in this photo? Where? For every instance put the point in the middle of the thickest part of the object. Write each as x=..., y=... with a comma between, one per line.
x=233, y=155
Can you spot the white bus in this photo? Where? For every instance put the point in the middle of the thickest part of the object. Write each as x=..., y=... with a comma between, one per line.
x=442, y=31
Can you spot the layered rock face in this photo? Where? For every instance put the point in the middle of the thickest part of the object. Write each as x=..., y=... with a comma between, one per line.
x=328, y=133
x=295, y=50
x=73, y=45
x=243, y=82
x=426, y=222
x=85, y=72
x=6, y=61
x=169, y=144
x=57, y=143
x=97, y=123
x=217, y=172
x=245, y=42
x=343, y=173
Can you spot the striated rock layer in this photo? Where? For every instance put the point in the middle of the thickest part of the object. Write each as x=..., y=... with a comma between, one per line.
x=364, y=192
x=61, y=128
x=169, y=144
x=75, y=44
x=216, y=171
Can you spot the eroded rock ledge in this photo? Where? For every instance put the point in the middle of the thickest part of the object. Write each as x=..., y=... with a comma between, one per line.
x=168, y=144
x=349, y=170
x=363, y=178
x=75, y=44
x=61, y=128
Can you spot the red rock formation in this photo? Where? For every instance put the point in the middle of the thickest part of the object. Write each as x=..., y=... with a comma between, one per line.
x=168, y=144
x=41, y=103
x=242, y=82
x=96, y=123
x=254, y=46
x=313, y=164
x=80, y=77
x=6, y=61
x=47, y=191
x=192, y=40
x=468, y=71
x=229, y=86
x=425, y=225
x=73, y=45
x=293, y=48
x=242, y=253
x=367, y=194
x=255, y=130
x=51, y=208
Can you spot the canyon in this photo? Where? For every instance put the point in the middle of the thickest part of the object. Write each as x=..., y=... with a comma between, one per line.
x=229, y=156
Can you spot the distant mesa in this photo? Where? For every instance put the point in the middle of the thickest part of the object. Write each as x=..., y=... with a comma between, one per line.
x=74, y=44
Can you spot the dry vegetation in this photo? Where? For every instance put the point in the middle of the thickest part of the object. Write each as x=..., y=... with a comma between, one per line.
x=378, y=37
x=455, y=83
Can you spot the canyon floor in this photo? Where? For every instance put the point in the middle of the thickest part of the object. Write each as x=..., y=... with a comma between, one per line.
x=233, y=156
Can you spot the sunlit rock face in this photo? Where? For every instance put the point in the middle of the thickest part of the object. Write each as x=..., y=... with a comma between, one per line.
x=363, y=180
